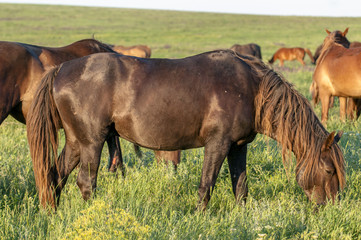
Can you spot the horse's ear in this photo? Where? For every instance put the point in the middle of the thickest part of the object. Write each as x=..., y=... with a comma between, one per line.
x=345, y=32
x=329, y=141
x=328, y=32
x=338, y=136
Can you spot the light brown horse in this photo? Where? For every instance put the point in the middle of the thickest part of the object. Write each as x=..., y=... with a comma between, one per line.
x=142, y=51
x=291, y=54
x=248, y=49
x=337, y=72
x=353, y=109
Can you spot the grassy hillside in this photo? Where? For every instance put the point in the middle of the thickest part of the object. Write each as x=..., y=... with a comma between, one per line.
x=152, y=201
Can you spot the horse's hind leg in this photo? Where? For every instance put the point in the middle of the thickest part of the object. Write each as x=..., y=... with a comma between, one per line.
x=301, y=61
x=89, y=164
x=343, y=102
x=68, y=160
x=325, y=101
x=115, y=155
x=237, y=168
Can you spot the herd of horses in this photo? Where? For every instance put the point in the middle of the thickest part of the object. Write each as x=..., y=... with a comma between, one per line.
x=219, y=100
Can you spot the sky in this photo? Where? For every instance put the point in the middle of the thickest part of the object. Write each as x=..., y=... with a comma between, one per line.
x=333, y=8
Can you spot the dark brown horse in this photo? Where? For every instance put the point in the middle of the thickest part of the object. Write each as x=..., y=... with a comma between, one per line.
x=142, y=51
x=21, y=68
x=291, y=54
x=218, y=100
x=337, y=72
x=248, y=49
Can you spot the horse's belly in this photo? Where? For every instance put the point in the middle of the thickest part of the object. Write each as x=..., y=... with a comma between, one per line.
x=347, y=87
x=342, y=80
x=159, y=132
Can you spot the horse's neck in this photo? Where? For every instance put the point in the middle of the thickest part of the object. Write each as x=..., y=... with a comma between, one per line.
x=70, y=52
x=328, y=48
x=290, y=145
x=297, y=135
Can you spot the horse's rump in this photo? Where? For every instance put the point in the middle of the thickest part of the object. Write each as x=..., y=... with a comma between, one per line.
x=142, y=51
x=248, y=49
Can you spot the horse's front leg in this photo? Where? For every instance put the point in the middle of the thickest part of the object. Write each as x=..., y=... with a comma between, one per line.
x=214, y=155
x=237, y=167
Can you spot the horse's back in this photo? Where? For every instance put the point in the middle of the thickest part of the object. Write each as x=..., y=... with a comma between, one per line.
x=159, y=103
x=290, y=53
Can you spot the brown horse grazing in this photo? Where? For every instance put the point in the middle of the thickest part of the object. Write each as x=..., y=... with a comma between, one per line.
x=21, y=68
x=248, y=49
x=219, y=100
x=337, y=72
x=142, y=51
x=291, y=54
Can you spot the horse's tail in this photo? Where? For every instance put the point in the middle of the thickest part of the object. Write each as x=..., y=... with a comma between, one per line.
x=271, y=61
x=310, y=55
x=314, y=93
x=43, y=123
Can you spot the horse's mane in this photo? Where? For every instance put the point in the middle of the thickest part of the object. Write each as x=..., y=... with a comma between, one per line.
x=331, y=39
x=96, y=44
x=285, y=115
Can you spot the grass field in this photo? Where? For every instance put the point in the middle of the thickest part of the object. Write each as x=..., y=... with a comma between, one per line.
x=153, y=201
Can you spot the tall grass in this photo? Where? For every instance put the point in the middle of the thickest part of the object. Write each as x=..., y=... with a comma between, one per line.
x=153, y=201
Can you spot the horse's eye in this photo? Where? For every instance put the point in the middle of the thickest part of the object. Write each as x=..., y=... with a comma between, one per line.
x=330, y=172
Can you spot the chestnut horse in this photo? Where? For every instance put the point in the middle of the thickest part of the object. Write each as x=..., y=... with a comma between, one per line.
x=142, y=51
x=337, y=72
x=222, y=109
x=353, y=108
x=291, y=54
x=248, y=49
x=21, y=68
x=354, y=44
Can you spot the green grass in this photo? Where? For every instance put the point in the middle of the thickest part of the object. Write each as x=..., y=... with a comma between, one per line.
x=152, y=201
